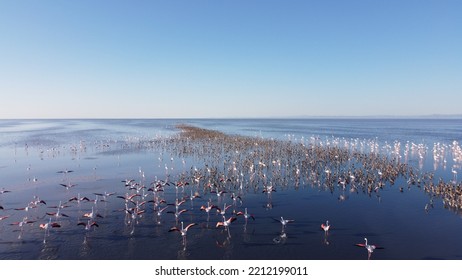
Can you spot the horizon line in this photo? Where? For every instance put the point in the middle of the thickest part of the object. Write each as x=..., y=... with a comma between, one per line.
x=429, y=116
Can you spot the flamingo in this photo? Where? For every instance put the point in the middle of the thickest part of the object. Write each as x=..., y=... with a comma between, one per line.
x=284, y=222
x=68, y=185
x=161, y=210
x=92, y=214
x=218, y=193
x=269, y=189
x=183, y=230
x=128, y=197
x=47, y=226
x=60, y=206
x=208, y=207
x=245, y=214
x=78, y=198
x=226, y=223
x=177, y=213
x=177, y=203
x=328, y=172
x=223, y=211
x=128, y=182
x=236, y=198
x=37, y=201
x=326, y=227
x=4, y=191
x=65, y=171
x=57, y=214
x=88, y=225
x=369, y=247
x=105, y=195
x=21, y=223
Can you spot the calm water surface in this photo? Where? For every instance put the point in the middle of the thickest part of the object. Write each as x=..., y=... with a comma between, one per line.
x=103, y=153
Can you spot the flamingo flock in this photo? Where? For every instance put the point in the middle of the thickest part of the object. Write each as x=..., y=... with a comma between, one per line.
x=235, y=168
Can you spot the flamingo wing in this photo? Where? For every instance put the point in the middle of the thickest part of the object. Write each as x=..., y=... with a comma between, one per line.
x=190, y=225
x=174, y=229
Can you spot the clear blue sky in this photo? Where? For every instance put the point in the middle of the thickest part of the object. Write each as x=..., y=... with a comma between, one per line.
x=230, y=58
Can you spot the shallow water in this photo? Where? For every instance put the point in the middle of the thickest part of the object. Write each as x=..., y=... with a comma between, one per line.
x=102, y=153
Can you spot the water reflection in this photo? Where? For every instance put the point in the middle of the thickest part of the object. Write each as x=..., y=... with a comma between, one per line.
x=49, y=251
x=281, y=238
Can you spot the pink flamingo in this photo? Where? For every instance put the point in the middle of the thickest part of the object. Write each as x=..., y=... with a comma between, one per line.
x=88, y=225
x=245, y=214
x=47, y=226
x=183, y=230
x=369, y=247
x=326, y=227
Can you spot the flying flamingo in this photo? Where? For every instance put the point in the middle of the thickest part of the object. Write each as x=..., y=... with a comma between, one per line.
x=58, y=214
x=38, y=201
x=183, y=230
x=88, y=225
x=68, y=185
x=159, y=213
x=47, y=226
x=208, y=207
x=226, y=224
x=92, y=215
x=192, y=197
x=177, y=203
x=369, y=247
x=177, y=213
x=21, y=224
x=245, y=214
x=105, y=195
x=4, y=191
x=65, y=171
x=326, y=227
x=284, y=222
x=78, y=198
x=223, y=211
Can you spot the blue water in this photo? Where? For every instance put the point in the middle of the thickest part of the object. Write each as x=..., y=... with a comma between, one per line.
x=102, y=153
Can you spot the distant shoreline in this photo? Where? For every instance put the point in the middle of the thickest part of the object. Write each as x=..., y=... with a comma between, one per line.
x=378, y=117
